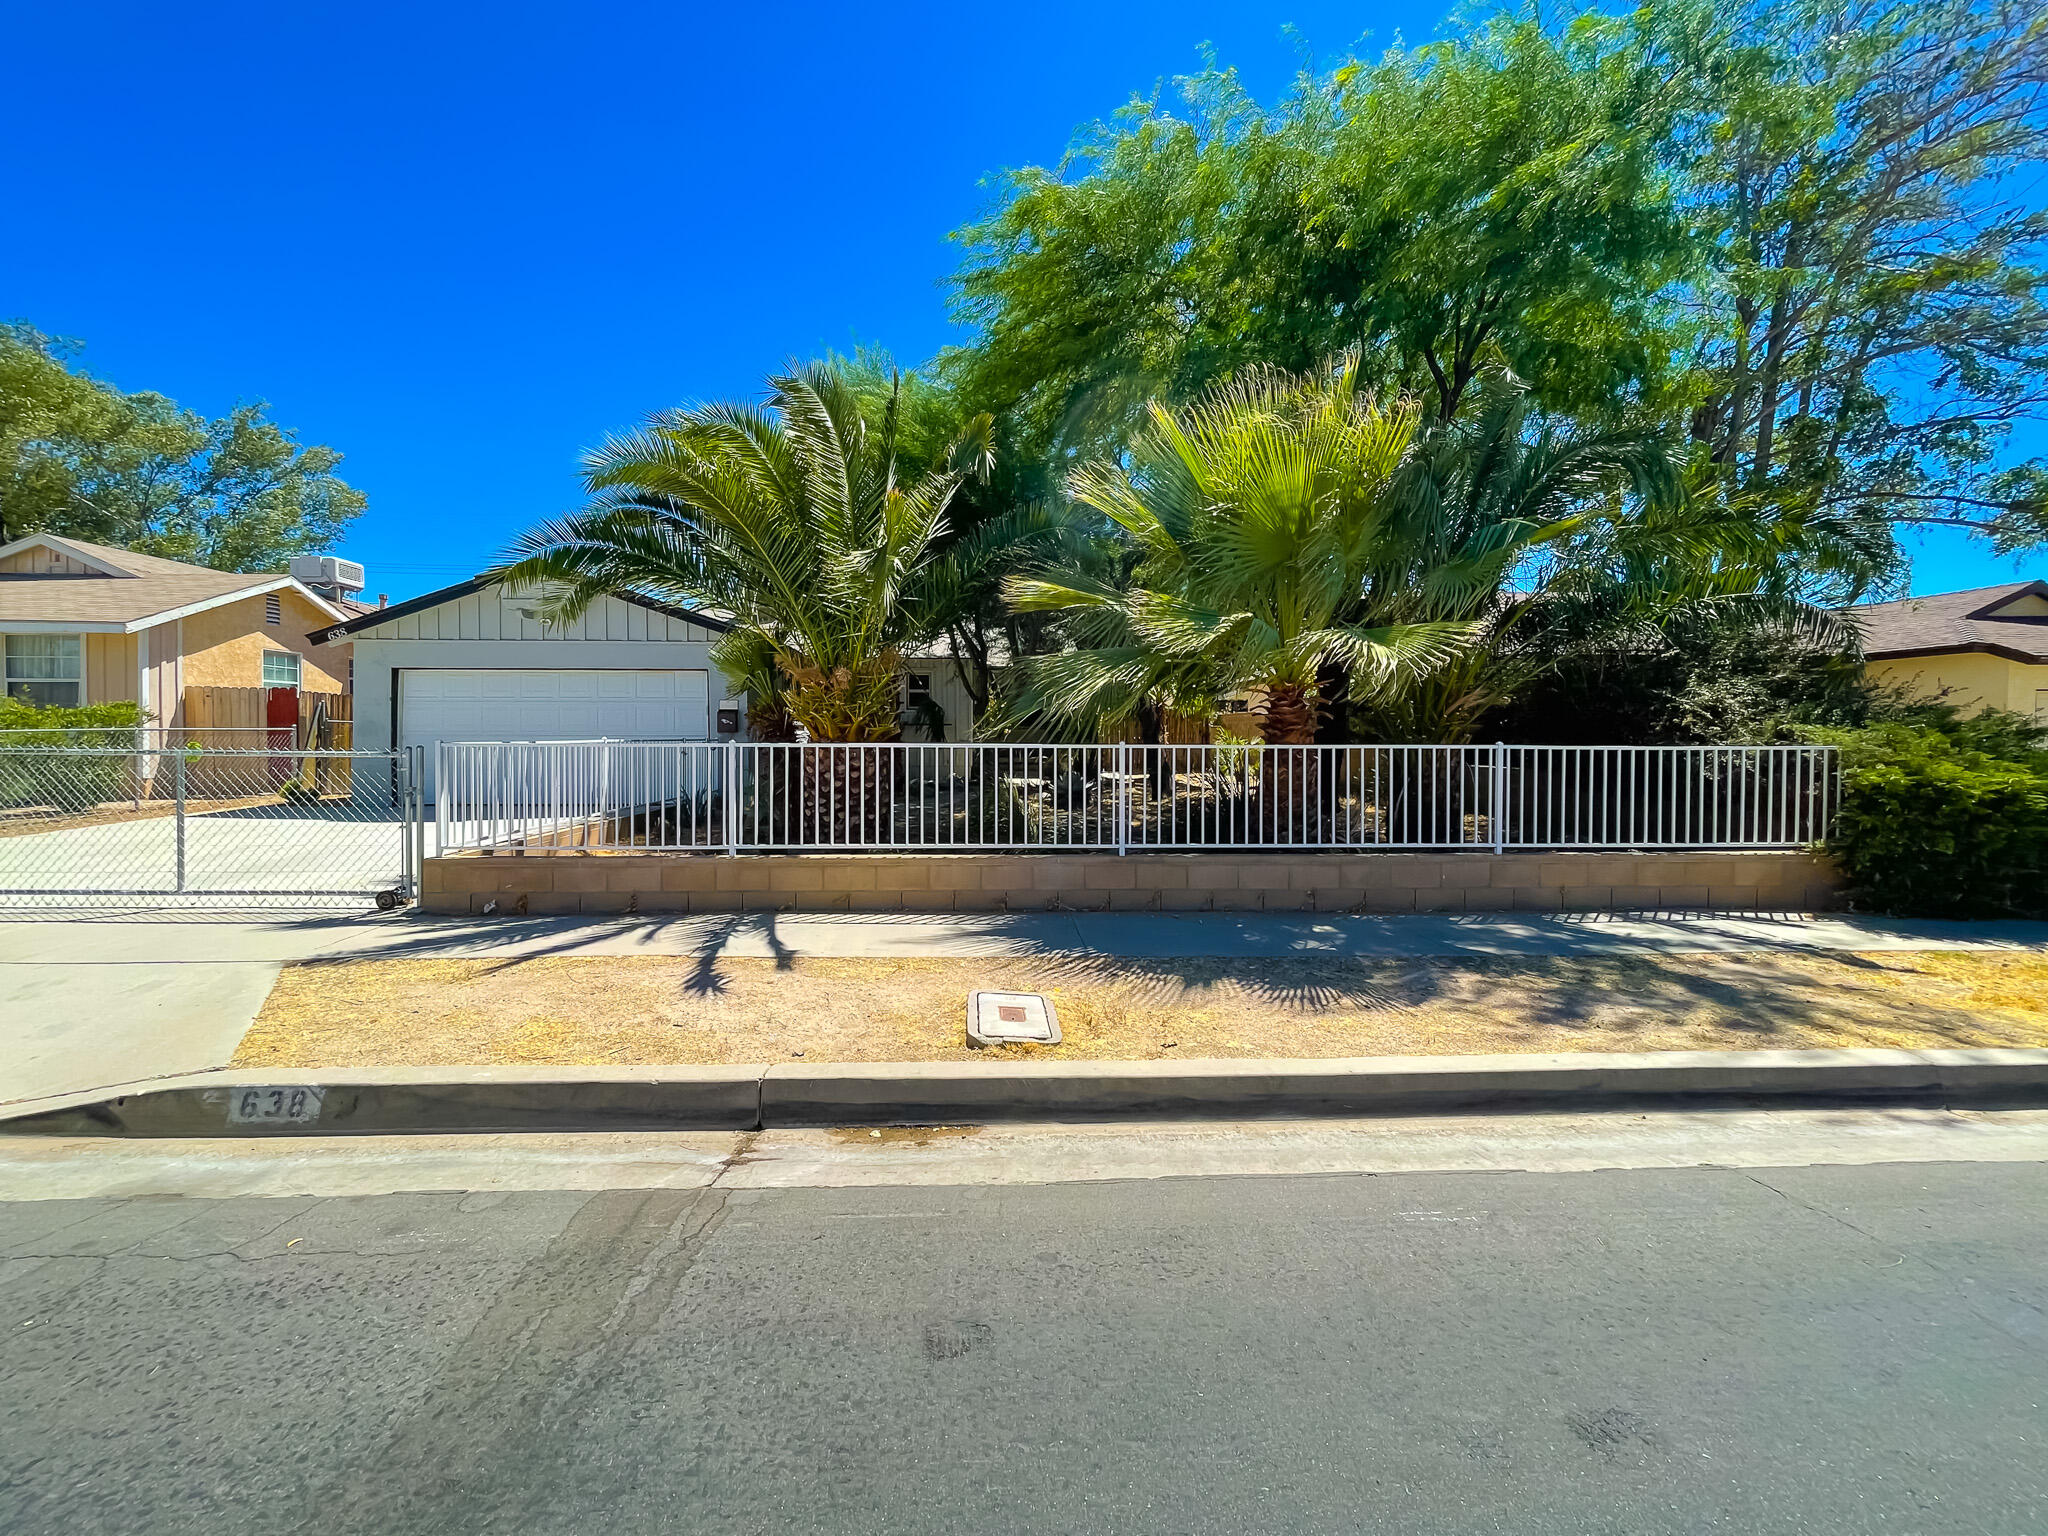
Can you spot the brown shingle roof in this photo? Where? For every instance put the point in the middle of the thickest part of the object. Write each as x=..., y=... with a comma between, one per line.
x=154, y=585
x=1960, y=621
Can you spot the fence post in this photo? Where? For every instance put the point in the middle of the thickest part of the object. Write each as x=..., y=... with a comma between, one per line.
x=441, y=757
x=731, y=797
x=408, y=880
x=1500, y=797
x=419, y=822
x=1123, y=796
x=178, y=813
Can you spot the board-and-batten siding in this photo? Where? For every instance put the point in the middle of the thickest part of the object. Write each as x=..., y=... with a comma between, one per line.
x=485, y=631
x=949, y=692
x=45, y=562
x=109, y=668
x=487, y=616
x=163, y=673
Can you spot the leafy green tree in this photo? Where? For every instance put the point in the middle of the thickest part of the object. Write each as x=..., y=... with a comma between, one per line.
x=793, y=521
x=1865, y=176
x=1499, y=200
x=1810, y=235
x=80, y=457
x=42, y=403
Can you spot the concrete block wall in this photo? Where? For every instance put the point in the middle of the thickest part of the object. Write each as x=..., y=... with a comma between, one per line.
x=565, y=881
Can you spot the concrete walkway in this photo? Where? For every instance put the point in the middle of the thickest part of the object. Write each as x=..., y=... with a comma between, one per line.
x=89, y=999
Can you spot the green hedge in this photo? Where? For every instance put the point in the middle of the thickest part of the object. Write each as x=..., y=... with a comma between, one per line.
x=1931, y=826
x=32, y=775
x=52, y=725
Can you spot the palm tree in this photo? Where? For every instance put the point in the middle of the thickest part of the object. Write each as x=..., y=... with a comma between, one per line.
x=790, y=520
x=1008, y=520
x=1500, y=516
x=1256, y=518
x=1570, y=540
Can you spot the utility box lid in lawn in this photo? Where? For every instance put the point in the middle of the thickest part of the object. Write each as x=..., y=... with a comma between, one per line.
x=1011, y=1018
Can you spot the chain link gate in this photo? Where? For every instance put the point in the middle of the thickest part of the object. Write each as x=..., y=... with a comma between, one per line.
x=189, y=826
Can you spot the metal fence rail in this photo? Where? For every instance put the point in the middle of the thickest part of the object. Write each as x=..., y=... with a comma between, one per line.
x=324, y=735
x=191, y=825
x=908, y=797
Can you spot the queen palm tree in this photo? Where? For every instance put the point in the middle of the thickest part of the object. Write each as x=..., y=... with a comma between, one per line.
x=792, y=521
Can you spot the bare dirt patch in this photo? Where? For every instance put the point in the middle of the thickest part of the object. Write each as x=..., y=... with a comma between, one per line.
x=677, y=1010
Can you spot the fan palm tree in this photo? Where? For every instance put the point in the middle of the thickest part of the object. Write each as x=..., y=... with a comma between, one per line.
x=1256, y=516
x=790, y=520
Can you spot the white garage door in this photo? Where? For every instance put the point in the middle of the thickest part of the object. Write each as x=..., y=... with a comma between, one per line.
x=436, y=705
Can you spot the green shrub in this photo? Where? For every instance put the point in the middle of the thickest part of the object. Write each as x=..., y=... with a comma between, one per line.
x=1932, y=826
x=31, y=774
x=50, y=725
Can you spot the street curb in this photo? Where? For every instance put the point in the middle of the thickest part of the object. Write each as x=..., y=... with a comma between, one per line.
x=752, y=1096
x=412, y=1099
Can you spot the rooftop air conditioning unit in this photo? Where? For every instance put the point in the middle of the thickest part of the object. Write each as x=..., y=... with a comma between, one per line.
x=326, y=573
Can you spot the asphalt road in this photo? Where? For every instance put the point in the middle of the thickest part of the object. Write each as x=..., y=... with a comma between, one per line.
x=1813, y=1349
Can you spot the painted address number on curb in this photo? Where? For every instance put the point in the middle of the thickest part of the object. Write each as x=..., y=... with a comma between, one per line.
x=274, y=1106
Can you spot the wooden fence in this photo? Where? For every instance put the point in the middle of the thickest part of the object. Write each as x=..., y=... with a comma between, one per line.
x=236, y=718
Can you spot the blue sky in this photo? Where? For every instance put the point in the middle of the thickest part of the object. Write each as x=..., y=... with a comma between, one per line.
x=460, y=244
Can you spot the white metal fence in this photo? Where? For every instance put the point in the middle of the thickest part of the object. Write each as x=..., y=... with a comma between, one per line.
x=97, y=825
x=753, y=797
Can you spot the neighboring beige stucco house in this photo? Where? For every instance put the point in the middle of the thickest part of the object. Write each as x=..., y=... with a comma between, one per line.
x=86, y=624
x=1982, y=649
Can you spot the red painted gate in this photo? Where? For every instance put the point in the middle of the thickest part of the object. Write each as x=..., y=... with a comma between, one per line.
x=281, y=729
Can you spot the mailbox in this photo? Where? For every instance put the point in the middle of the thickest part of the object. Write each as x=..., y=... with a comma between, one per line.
x=728, y=717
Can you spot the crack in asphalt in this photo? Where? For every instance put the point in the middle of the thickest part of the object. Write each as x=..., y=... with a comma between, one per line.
x=505, y=1402
x=2036, y=1341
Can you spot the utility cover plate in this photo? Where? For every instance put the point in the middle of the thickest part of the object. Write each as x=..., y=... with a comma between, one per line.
x=1010, y=1018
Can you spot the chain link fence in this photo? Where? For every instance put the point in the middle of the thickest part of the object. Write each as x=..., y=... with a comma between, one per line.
x=103, y=824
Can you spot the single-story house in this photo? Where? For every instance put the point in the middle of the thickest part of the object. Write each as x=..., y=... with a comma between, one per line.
x=473, y=662
x=84, y=623
x=1986, y=648
x=935, y=692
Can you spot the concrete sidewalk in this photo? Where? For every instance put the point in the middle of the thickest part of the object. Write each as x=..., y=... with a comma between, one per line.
x=89, y=999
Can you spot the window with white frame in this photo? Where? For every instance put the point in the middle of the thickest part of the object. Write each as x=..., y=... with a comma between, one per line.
x=46, y=669
x=280, y=669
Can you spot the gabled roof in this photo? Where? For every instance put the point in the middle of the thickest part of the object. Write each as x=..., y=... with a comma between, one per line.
x=123, y=590
x=2009, y=621
x=426, y=600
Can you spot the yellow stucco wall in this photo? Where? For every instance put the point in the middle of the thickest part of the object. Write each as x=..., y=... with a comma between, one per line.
x=1973, y=680
x=224, y=646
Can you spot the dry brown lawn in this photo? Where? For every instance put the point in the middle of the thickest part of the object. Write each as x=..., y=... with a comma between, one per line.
x=665, y=1011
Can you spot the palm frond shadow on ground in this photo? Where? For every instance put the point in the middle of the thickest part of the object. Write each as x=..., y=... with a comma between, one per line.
x=709, y=1007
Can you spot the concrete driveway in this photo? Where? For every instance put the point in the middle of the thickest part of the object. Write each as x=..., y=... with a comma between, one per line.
x=271, y=848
